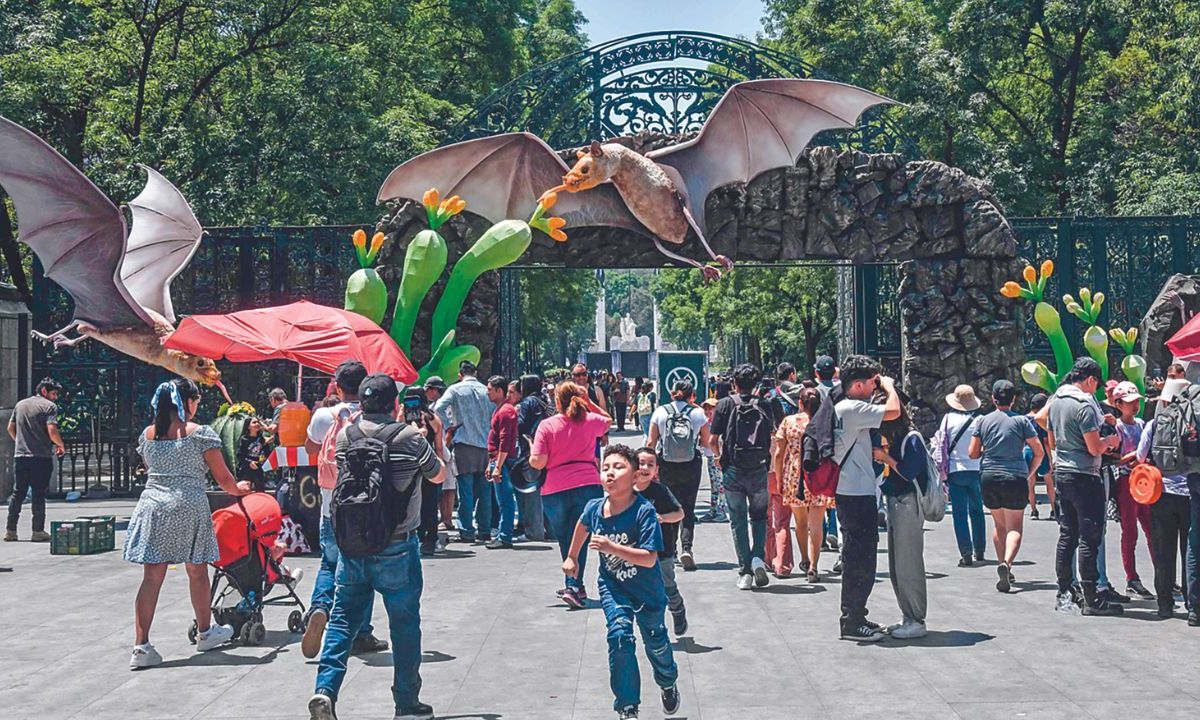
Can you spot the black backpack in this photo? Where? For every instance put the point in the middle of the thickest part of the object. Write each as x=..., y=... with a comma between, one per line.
x=749, y=434
x=366, y=505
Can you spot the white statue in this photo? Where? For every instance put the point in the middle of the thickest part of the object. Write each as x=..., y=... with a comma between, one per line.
x=629, y=339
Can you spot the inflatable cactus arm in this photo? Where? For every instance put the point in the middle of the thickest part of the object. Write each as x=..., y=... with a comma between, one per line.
x=1048, y=320
x=424, y=261
x=365, y=292
x=1134, y=365
x=1095, y=340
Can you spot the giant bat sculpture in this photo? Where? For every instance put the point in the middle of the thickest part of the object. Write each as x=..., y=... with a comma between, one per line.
x=757, y=126
x=120, y=281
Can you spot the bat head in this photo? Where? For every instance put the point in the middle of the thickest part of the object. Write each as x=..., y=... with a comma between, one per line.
x=199, y=369
x=594, y=166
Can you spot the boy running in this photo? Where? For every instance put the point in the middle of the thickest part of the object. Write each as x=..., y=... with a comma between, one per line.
x=670, y=513
x=625, y=531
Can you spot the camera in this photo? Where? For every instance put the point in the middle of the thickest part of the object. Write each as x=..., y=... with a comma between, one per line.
x=415, y=406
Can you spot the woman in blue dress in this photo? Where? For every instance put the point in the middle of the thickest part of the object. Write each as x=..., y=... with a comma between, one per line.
x=171, y=523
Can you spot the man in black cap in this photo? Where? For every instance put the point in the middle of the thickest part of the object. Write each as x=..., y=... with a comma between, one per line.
x=826, y=372
x=395, y=572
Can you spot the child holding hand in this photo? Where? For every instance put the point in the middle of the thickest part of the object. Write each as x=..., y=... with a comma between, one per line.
x=625, y=531
x=670, y=513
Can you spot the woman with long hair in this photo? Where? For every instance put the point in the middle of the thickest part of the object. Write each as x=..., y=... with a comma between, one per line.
x=904, y=454
x=565, y=445
x=808, y=508
x=171, y=523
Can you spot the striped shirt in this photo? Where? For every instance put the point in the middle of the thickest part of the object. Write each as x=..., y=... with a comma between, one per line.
x=410, y=455
x=471, y=411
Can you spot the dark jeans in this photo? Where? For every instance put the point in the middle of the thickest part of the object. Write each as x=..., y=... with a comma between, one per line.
x=563, y=510
x=683, y=480
x=748, y=499
x=966, y=497
x=431, y=499
x=1170, y=520
x=506, y=499
x=1193, y=554
x=474, y=500
x=623, y=675
x=1080, y=526
x=395, y=574
x=30, y=472
x=858, y=516
x=620, y=409
x=324, y=583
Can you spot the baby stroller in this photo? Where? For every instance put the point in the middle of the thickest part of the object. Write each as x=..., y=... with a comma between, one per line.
x=246, y=533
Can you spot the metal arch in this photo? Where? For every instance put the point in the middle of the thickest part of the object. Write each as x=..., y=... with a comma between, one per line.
x=635, y=84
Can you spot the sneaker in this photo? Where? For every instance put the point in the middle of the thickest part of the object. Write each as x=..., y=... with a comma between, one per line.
x=1137, y=589
x=721, y=518
x=520, y=538
x=1065, y=603
x=144, y=656
x=420, y=711
x=745, y=582
x=10, y=536
x=498, y=544
x=831, y=541
x=1166, y=613
x=573, y=600
x=368, y=643
x=39, y=536
x=670, y=699
x=965, y=561
x=1193, y=619
x=1109, y=594
x=1033, y=513
x=873, y=625
x=1004, y=584
x=629, y=713
x=909, y=629
x=443, y=540
x=314, y=632
x=460, y=538
x=320, y=707
x=979, y=557
x=428, y=549
x=216, y=636
x=882, y=521
x=861, y=633
x=1103, y=609
x=837, y=566
x=813, y=576
x=687, y=561
x=680, y=622
x=759, y=568
x=294, y=576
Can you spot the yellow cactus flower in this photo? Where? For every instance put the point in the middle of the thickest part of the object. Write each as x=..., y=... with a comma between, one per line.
x=1030, y=274
x=1132, y=335
x=359, y=238
x=558, y=235
x=458, y=207
x=1097, y=301
x=451, y=206
x=430, y=198
x=1117, y=334
x=556, y=223
x=1047, y=268
x=1011, y=290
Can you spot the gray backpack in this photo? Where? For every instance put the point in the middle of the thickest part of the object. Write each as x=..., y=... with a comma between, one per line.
x=1176, y=443
x=679, y=438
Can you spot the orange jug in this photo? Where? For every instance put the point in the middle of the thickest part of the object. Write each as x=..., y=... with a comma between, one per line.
x=293, y=424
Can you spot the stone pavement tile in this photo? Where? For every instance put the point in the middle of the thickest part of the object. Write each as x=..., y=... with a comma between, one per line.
x=885, y=708
x=1022, y=710
x=1175, y=709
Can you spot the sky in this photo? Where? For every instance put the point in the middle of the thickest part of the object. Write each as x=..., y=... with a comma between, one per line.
x=608, y=19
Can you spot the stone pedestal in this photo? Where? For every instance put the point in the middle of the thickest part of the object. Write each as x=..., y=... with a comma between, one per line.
x=15, y=363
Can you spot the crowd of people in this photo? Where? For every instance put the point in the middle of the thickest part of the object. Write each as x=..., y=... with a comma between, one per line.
x=503, y=461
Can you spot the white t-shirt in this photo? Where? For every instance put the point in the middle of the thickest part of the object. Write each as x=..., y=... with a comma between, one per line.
x=664, y=412
x=318, y=427
x=960, y=459
x=852, y=440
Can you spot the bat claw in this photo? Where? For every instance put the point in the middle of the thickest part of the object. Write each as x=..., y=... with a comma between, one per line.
x=725, y=262
x=711, y=273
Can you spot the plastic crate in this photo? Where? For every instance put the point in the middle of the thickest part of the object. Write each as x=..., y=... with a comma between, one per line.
x=83, y=536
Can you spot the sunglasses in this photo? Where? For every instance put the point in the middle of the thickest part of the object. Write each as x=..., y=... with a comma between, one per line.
x=582, y=374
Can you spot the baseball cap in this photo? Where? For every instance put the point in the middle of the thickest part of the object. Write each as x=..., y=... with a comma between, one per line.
x=1004, y=390
x=378, y=393
x=435, y=382
x=824, y=366
x=1126, y=391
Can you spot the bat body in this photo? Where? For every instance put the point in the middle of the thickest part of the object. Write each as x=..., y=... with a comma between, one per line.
x=757, y=126
x=119, y=277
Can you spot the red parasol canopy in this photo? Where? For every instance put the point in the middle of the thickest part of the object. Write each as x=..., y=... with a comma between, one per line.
x=1185, y=344
x=313, y=335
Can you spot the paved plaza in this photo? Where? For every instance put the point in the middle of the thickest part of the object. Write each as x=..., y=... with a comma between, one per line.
x=497, y=645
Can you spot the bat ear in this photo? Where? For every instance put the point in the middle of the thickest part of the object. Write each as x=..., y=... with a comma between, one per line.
x=596, y=151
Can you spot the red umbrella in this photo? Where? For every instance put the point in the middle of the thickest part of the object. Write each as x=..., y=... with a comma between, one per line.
x=313, y=335
x=1185, y=344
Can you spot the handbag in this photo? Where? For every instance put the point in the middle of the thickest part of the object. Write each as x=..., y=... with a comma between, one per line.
x=524, y=477
x=823, y=481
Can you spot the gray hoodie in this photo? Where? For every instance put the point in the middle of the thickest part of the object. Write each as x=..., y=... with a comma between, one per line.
x=1073, y=413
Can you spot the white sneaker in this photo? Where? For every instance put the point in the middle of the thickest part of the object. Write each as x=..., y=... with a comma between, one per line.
x=294, y=576
x=909, y=629
x=745, y=582
x=686, y=560
x=320, y=707
x=144, y=656
x=760, y=572
x=216, y=636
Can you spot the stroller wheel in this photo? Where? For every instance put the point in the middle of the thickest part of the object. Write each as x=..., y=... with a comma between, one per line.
x=192, y=633
x=296, y=622
x=256, y=633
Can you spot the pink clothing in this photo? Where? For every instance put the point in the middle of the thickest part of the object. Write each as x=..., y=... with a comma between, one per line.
x=778, y=551
x=570, y=447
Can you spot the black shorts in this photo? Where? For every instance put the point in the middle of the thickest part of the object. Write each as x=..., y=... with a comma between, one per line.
x=1004, y=491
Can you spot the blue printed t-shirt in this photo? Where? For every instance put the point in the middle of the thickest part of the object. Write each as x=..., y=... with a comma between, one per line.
x=637, y=526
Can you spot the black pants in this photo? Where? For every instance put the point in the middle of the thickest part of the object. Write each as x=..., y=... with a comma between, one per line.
x=683, y=480
x=1080, y=526
x=621, y=408
x=859, y=520
x=1170, y=519
x=31, y=472
x=431, y=500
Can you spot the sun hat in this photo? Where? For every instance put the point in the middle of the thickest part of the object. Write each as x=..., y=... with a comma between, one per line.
x=1126, y=391
x=963, y=399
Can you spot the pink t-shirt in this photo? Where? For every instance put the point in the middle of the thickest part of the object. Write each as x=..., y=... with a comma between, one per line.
x=570, y=448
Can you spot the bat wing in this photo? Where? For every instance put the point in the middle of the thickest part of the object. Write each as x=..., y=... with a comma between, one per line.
x=502, y=177
x=75, y=231
x=757, y=126
x=163, y=238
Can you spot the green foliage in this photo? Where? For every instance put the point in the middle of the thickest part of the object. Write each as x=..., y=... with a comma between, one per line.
x=558, y=311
